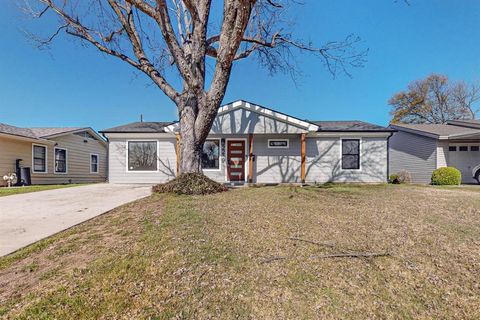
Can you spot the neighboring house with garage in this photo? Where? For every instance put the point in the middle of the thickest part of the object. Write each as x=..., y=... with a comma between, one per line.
x=249, y=143
x=53, y=155
x=422, y=148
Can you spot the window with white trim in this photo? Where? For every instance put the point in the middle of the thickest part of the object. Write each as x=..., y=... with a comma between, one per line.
x=94, y=163
x=60, y=160
x=351, y=154
x=39, y=158
x=211, y=155
x=278, y=143
x=142, y=156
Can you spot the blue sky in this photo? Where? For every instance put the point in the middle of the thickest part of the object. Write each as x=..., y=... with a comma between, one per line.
x=70, y=85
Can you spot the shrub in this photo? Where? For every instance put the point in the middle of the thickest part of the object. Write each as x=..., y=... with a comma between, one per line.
x=400, y=177
x=190, y=183
x=446, y=176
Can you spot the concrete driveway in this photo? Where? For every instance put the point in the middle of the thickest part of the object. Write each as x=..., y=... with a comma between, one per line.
x=27, y=218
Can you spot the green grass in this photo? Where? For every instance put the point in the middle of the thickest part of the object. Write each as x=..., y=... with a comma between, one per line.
x=27, y=189
x=207, y=257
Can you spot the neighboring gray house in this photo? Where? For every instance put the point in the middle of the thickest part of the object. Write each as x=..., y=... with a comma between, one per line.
x=422, y=148
x=254, y=144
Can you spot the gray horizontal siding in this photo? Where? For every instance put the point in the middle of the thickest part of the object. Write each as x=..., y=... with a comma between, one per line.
x=413, y=153
x=118, y=163
x=277, y=165
x=324, y=162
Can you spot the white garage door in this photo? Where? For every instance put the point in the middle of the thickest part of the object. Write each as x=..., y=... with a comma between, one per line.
x=464, y=157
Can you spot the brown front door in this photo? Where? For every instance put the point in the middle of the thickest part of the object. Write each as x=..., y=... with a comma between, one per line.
x=236, y=160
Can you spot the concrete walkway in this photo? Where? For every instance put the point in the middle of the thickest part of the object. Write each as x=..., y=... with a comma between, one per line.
x=27, y=218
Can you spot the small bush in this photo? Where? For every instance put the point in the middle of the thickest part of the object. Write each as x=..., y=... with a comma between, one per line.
x=190, y=183
x=446, y=176
x=400, y=177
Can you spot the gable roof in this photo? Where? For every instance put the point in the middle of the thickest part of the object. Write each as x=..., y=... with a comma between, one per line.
x=47, y=132
x=347, y=126
x=310, y=126
x=43, y=134
x=17, y=131
x=465, y=123
x=139, y=127
x=438, y=131
x=268, y=113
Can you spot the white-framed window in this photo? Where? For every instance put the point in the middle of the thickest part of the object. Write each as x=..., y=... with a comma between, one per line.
x=211, y=154
x=463, y=148
x=142, y=155
x=39, y=158
x=278, y=143
x=60, y=160
x=94, y=163
x=351, y=154
x=474, y=148
x=452, y=148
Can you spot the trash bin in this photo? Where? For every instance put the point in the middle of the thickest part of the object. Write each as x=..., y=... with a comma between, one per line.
x=26, y=178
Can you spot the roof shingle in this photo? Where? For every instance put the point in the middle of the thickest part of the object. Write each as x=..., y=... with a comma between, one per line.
x=353, y=125
x=16, y=131
x=139, y=127
x=46, y=132
x=439, y=129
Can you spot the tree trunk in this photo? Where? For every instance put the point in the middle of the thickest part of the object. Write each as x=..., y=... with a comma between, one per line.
x=190, y=146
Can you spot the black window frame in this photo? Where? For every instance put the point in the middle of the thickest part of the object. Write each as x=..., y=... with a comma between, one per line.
x=35, y=158
x=216, y=158
x=57, y=161
x=452, y=148
x=154, y=167
x=357, y=155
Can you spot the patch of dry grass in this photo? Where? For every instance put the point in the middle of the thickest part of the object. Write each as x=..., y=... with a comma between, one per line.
x=230, y=255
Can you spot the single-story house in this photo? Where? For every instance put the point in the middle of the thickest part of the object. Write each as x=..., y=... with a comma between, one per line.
x=253, y=144
x=54, y=155
x=422, y=148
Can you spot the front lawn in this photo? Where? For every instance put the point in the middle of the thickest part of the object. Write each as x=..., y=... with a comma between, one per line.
x=261, y=253
x=4, y=191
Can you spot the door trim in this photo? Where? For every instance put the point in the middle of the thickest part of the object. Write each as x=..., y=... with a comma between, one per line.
x=246, y=162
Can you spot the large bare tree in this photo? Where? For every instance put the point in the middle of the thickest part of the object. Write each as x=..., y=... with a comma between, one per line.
x=435, y=100
x=155, y=36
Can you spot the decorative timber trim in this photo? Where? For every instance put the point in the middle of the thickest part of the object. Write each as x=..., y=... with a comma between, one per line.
x=303, y=156
x=250, y=158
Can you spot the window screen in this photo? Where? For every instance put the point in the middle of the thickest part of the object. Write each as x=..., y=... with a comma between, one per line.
x=142, y=156
x=39, y=159
x=60, y=160
x=211, y=154
x=351, y=154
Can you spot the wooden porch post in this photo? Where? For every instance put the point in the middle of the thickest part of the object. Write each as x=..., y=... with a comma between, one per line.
x=177, y=150
x=250, y=158
x=303, y=155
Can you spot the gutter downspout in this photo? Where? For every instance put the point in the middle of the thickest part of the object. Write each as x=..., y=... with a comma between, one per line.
x=388, y=155
x=108, y=157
